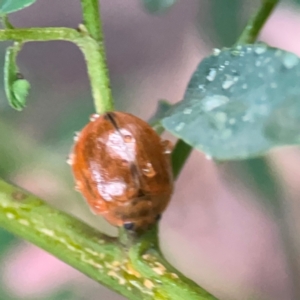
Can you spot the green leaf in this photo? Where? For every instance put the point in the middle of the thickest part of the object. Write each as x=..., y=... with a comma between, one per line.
x=16, y=87
x=240, y=103
x=20, y=89
x=158, y=6
x=9, y=6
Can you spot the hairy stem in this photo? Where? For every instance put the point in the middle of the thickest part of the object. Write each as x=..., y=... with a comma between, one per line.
x=100, y=257
x=98, y=73
x=39, y=34
x=91, y=19
x=256, y=23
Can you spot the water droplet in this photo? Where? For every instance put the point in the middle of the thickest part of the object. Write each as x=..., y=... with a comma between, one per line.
x=94, y=117
x=211, y=102
x=221, y=117
x=290, y=60
x=232, y=121
x=226, y=63
x=258, y=63
x=179, y=126
x=235, y=52
x=260, y=48
x=244, y=86
x=201, y=87
x=229, y=81
x=148, y=170
x=216, y=52
x=273, y=85
x=211, y=74
x=187, y=111
x=221, y=68
x=249, y=49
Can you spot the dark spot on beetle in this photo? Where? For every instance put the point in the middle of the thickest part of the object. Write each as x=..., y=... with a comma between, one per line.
x=19, y=196
x=158, y=217
x=128, y=225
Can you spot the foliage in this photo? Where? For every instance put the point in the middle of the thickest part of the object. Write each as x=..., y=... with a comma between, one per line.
x=244, y=102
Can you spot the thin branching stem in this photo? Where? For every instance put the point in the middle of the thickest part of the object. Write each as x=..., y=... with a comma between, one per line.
x=92, y=50
x=98, y=72
x=256, y=23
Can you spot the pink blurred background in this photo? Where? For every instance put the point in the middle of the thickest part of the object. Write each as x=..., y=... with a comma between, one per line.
x=214, y=231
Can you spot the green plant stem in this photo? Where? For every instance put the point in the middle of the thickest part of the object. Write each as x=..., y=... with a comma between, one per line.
x=91, y=19
x=92, y=50
x=100, y=257
x=150, y=263
x=180, y=154
x=102, y=95
x=255, y=24
x=39, y=34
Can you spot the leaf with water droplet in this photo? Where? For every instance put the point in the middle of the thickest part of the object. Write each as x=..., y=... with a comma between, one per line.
x=9, y=6
x=243, y=109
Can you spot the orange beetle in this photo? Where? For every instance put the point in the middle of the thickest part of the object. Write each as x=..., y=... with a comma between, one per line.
x=122, y=168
